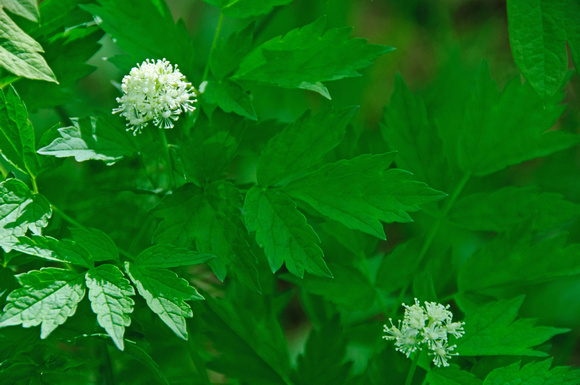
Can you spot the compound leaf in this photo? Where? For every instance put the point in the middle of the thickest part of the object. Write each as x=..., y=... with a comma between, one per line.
x=165, y=294
x=97, y=243
x=283, y=232
x=493, y=330
x=25, y=8
x=90, y=139
x=534, y=373
x=165, y=256
x=302, y=144
x=109, y=293
x=52, y=249
x=47, y=298
x=305, y=57
x=361, y=192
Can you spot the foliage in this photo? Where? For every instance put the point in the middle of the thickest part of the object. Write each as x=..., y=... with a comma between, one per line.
x=268, y=236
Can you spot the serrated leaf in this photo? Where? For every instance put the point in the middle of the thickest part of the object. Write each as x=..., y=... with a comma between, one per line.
x=452, y=376
x=361, y=192
x=165, y=256
x=283, y=232
x=91, y=139
x=230, y=97
x=109, y=293
x=165, y=294
x=25, y=8
x=538, y=31
x=302, y=144
x=534, y=373
x=145, y=29
x=228, y=53
x=97, y=243
x=249, y=8
x=305, y=57
x=48, y=297
x=511, y=260
x=500, y=130
x=492, y=329
x=480, y=211
x=20, y=54
x=16, y=133
x=54, y=250
x=408, y=130
x=20, y=211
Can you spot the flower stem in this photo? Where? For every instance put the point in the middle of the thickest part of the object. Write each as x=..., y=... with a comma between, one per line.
x=413, y=368
x=168, y=162
x=213, y=45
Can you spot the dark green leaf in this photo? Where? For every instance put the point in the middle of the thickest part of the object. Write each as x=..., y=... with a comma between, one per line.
x=534, y=373
x=109, y=293
x=284, y=233
x=20, y=54
x=249, y=8
x=165, y=256
x=97, y=243
x=397, y=268
x=48, y=297
x=230, y=97
x=20, y=211
x=502, y=209
x=54, y=250
x=91, y=139
x=493, y=330
x=228, y=54
x=16, y=133
x=302, y=144
x=25, y=8
x=361, y=192
x=452, y=376
x=165, y=294
x=306, y=57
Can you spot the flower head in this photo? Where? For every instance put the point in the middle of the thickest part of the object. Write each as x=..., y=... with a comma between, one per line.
x=430, y=325
x=154, y=91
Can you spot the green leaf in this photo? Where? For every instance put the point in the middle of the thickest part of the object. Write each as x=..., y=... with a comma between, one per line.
x=91, y=139
x=165, y=294
x=229, y=53
x=165, y=256
x=452, y=376
x=397, y=268
x=302, y=144
x=230, y=97
x=109, y=293
x=500, y=130
x=534, y=373
x=361, y=192
x=20, y=211
x=306, y=57
x=323, y=360
x=511, y=260
x=16, y=133
x=97, y=243
x=538, y=31
x=145, y=29
x=492, y=330
x=20, y=54
x=407, y=129
x=25, y=8
x=249, y=8
x=52, y=249
x=48, y=297
x=283, y=232
x=480, y=211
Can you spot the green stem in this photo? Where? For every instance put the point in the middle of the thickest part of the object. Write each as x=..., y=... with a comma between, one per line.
x=213, y=45
x=64, y=216
x=413, y=368
x=168, y=162
x=34, y=185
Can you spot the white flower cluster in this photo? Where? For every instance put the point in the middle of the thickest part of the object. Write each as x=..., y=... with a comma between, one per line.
x=430, y=325
x=154, y=91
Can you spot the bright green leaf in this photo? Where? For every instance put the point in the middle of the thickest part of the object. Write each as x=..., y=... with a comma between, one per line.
x=165, y=256
x=91, y=139
x=302, y=144
x=109, y=293
x=480, y=211
x=361, y=192
x=165, y=294
x=230, y=97
x=20, y=211
x=25, y=8
x=493, y=330
x=307, y=56
x=16, y=133
x=97, y=243
x=283, y=232
x=534, y=373
x=54, y=250
x=48, y=297
x=452, y=376
x=20, y=54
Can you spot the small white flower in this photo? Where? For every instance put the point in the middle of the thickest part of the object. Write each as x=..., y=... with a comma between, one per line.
x=434, y=333
x=456, y=329
x=393, y=331
x=437, y=312
x=409, y=341
x=415, y=316
x=154, y=92
x=441, y=352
